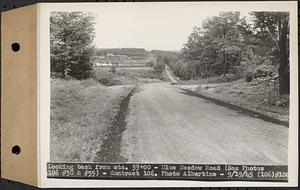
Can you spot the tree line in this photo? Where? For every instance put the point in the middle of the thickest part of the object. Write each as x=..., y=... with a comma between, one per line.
x=245, y=47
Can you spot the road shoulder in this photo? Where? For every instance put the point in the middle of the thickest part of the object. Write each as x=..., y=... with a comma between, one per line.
x=192, y=90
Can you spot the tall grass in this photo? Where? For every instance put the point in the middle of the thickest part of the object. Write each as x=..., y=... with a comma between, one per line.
x=81, y=112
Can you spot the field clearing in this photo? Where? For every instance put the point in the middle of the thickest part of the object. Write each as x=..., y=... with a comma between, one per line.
x=132, y=70
x=127, y=75
x=81, y=114
x=128, y=68
x=138, y=72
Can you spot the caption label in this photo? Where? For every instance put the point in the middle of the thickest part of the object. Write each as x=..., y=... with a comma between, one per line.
x=168, y=171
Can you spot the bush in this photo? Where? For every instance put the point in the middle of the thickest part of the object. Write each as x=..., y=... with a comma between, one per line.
x=150, y=64
x=158, y=67
x=229, y=77
x=113, y=69
x=103, y=77
x=248, y=77
x=262, y=71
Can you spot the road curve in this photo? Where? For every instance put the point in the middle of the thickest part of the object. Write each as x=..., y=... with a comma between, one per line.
x=170, y=75
x=165, y=125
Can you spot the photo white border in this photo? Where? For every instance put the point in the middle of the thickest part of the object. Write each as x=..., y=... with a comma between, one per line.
x=44, y=10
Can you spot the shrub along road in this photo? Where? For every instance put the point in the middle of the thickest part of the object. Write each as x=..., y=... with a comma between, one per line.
x=166, y=125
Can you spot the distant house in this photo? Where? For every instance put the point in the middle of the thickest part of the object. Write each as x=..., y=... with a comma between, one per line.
x=123, y=56
x=102, y=64
x=110, y=55
x=97, y=64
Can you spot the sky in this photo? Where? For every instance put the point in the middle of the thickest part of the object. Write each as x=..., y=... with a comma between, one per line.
x=155, y=26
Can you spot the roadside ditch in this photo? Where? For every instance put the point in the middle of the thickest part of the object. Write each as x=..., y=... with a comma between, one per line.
x=110, y=150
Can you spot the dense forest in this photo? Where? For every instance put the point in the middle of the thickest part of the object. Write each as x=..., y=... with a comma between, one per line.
x=228, y=44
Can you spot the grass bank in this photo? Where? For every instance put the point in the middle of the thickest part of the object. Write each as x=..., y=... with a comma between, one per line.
x=259, y=95
x=81, y=114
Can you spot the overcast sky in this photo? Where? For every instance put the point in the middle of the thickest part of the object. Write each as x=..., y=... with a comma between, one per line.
x=158, y=26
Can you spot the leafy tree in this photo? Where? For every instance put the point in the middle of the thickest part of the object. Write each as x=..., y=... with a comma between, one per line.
x=274, y=27
x=251, y=47
x=215, y=48
x=224, y=34
x=194, y=46
x=71, y=41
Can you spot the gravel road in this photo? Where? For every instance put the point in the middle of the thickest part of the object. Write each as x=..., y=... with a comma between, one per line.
x=166, y=125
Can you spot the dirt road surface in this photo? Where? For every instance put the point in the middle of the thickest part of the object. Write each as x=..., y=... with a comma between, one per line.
x=166, y=125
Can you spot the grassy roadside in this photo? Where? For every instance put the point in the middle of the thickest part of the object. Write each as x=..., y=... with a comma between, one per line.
x=258, y=95
x=81, y=113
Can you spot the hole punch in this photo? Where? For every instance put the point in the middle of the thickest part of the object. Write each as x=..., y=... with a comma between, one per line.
x=15, y=47
x=16, y=150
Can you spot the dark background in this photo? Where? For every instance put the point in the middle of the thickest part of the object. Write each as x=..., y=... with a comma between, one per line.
x=5, y=184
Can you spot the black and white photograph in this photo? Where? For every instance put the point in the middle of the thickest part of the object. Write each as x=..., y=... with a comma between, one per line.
x=165, y=86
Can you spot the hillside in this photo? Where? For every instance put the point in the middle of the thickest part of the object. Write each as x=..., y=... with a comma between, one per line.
x=123, y=51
